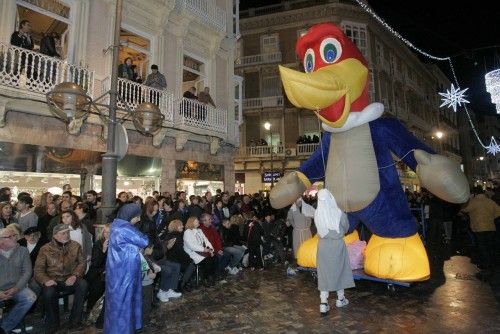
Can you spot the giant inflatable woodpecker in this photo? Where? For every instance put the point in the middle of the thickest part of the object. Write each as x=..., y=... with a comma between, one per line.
x=355, y=155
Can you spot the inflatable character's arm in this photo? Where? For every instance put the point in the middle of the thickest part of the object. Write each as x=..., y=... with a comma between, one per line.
x=292, y=185
x=440, y=175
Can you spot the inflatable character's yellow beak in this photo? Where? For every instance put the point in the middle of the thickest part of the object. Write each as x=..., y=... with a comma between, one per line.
x=330, y=90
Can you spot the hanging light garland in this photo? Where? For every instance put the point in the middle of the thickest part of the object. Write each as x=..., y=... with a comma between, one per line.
x=455, y=95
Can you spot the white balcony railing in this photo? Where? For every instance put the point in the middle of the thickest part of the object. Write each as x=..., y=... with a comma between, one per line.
x=306, y=149
x=201, y=116
x=35, y=72
x=131, y=94
x=259, y=59
x=206, y=10
x=263, y=102
x=261, y=151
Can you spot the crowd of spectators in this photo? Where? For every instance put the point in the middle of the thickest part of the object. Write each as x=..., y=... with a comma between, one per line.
x=52, y=246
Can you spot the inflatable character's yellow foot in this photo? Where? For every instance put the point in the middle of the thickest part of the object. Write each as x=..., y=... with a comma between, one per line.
x=306, y=255
x=400, y=259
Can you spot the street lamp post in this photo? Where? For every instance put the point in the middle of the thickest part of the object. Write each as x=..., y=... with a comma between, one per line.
x=267, y=126
x=71, y=103
x=110, y=159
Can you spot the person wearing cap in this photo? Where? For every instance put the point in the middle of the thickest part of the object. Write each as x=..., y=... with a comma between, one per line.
x=59, y=267
x=25, y=215
x=123, y=292
x=33, y=242
x=15, y=269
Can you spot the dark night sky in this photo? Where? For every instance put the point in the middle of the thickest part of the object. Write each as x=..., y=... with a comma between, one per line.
x=468, y=32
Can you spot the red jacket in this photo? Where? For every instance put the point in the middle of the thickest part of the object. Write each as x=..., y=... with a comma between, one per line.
x=213, y=236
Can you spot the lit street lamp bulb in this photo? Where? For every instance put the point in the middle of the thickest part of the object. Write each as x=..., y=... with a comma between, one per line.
x=267, y=126
x=439, y=134
x=481, y=158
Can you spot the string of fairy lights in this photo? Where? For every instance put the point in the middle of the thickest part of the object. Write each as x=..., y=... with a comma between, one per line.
x=455, y=96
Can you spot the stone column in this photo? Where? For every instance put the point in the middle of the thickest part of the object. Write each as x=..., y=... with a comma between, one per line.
x=168, y=173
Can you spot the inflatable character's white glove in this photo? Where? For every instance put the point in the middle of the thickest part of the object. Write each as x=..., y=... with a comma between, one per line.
x=288, y=189
x=442, y=177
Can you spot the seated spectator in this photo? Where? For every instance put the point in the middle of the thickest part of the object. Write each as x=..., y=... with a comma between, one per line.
x=25, y=215
x=181, y=212
x=213, y=236
x=6, y=216
x=147, y=225
x=15, y=269
x=194, y=209
x=230, y=235
x=59, y=268
x=199, y=248
x=33, y=241
x=170, y=271
x=174, y=252
x=79, y=234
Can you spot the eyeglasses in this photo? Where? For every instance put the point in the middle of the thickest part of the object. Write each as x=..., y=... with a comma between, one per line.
x=11, y=236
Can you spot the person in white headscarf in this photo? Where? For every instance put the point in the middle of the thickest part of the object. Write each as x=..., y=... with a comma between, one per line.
x=332, y=260
x=300, y=221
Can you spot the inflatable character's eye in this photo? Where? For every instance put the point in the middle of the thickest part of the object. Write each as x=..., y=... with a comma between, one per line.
x=309, y=61
x=330, y=50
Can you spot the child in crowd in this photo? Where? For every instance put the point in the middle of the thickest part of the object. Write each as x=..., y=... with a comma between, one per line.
x=255, y=238
x=278, y=239
x=334, y=269
x=149, y=270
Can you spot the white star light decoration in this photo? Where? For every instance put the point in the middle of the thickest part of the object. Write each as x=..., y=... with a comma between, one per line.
x=493, y=147
x=452, y=97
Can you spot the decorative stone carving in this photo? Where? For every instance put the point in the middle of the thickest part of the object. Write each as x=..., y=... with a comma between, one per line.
x=75, y=126
x=181, y=140
x=158, y=137
x=214, y=145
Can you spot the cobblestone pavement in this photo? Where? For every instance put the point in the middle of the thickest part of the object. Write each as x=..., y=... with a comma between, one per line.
x=268, y=301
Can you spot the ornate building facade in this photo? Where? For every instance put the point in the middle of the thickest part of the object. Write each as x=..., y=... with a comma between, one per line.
x=192, y=42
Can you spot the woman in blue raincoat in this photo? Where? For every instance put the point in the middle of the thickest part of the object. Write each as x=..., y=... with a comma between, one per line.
x=123, y=301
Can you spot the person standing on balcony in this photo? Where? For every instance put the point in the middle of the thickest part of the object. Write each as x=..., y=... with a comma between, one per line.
x=22, y=37
x=186, y=107
x=125, y=70
x=48, y=45
x=205, y=98
x=155, y=80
